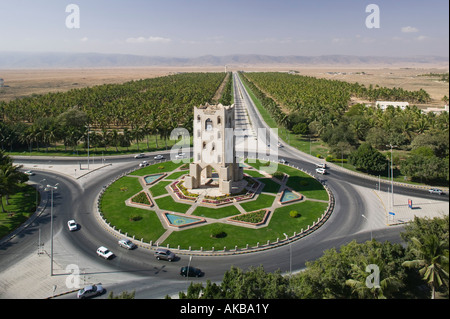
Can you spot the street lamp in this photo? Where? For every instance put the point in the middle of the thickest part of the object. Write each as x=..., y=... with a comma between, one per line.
x=52, y=188
x=363, y=216
x=290, y=254
x=392, y=173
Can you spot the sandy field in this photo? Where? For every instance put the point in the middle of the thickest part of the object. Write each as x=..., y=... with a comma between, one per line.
x=22, y=83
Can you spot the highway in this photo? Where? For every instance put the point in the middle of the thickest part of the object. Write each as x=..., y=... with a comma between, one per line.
x=138, y=269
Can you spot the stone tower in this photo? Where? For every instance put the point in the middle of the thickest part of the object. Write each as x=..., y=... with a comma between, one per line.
x=214, y=147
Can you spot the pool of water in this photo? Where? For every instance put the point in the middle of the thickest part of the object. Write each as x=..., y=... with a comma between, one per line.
x=179, y=220
x=152, y=178
x=289, y=196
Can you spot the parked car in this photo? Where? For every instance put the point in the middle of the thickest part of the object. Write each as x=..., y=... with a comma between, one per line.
x=29, y=173
x=126, y=243
x=159, y=157
x=144, y=164
x=436, y=191
x=90, y=291
x=165, y=254
x=142, y=155
x=104, y=252
x=72, y=224
x=190, y=272
x=322, y=171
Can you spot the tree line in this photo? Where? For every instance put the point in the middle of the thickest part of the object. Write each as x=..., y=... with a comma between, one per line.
x=112, y=115
x=321, y=108
x=419, y=270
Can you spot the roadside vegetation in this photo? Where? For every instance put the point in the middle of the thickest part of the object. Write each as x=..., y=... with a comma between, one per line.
x=417, y=271
x=316, y=116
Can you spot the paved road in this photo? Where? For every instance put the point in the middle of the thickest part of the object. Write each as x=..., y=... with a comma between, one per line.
x=154, y=279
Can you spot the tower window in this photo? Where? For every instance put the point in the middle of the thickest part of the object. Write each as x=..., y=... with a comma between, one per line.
x=208, y=125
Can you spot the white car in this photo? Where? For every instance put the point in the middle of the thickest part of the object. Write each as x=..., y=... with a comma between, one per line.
x=104, y=252
x=279, y=145
x=90, y=291
x=321, y=165
x=143, y=164
x=159, y=157
x=142, y=155
x=29, y=173
x=283, y=161
x=322, y=171
x=72, y=225
x=126, y=243
x=180, y=155
x=436, y=191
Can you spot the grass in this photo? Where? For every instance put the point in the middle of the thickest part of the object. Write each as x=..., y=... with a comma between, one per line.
x=167, y=203
x=280, y=223
x=262, y=201
x=157, y=168
x=159, y=189
x=22, y=206
x=177, y=175
x=118, y=214
x=270, y=185
x=217, y=213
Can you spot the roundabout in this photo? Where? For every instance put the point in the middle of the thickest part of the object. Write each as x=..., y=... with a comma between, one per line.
x=272, y=210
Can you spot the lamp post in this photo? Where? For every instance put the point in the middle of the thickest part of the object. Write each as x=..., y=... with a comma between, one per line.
x=392, y=173
x=52, y=188
x=290, y=254
x=363, y=216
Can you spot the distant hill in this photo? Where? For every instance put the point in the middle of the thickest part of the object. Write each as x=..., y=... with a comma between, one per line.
x=22, y=60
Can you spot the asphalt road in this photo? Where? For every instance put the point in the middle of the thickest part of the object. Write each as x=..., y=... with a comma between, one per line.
x=138, y=269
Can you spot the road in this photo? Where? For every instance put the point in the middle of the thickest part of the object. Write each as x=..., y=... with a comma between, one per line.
x=138, y=270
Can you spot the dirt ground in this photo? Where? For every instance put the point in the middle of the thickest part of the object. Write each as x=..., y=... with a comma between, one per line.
x=20, y=83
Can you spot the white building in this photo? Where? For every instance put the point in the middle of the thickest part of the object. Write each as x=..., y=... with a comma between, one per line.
x=384, y=105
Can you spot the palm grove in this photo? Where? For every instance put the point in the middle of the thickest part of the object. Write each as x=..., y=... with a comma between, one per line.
x=309, y=106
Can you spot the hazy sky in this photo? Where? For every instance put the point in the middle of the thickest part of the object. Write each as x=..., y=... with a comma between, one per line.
x=187, y=28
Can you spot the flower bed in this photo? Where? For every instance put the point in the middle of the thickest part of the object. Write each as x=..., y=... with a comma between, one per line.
x=181, y=192
x=142, y=198
x=255, y=218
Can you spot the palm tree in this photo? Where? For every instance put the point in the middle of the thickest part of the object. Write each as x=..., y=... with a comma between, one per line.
x=10, y=176
x=432, y=258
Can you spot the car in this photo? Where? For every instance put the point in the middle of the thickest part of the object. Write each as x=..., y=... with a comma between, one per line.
x=323, y=165
x=165, y=254
x=283, y=161
x=159, y=157
x=29, y=173
x=72, y=224
x=436, y=191
x=90, y=291
x=322, y=171
x=144, y=164
x=104, y=252
x=126, y=243
x=142, y=155
x=190, y=272
x=180, y=155
x=279, y=145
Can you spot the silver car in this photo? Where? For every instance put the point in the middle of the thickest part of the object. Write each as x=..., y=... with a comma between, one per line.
x=436, y=191
x=126, y=243
x=165, y=254
x=90, y=291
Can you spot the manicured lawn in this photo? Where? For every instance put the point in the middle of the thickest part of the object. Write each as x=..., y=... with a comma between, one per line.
x=167, y=203
x=262, y=201
x=118, y=214
x=21, y=206
x=217, y=213
x=159, y=189
x=280, y=223
x=270, y=185
x=157, y=168
x=177, y=175
x=253, y=173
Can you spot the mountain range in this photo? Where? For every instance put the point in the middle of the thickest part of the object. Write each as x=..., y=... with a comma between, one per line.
x=23, y=60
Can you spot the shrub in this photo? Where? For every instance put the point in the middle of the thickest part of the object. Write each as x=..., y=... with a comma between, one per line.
x=294, y=214
x=135, y=217
x=217, y=231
